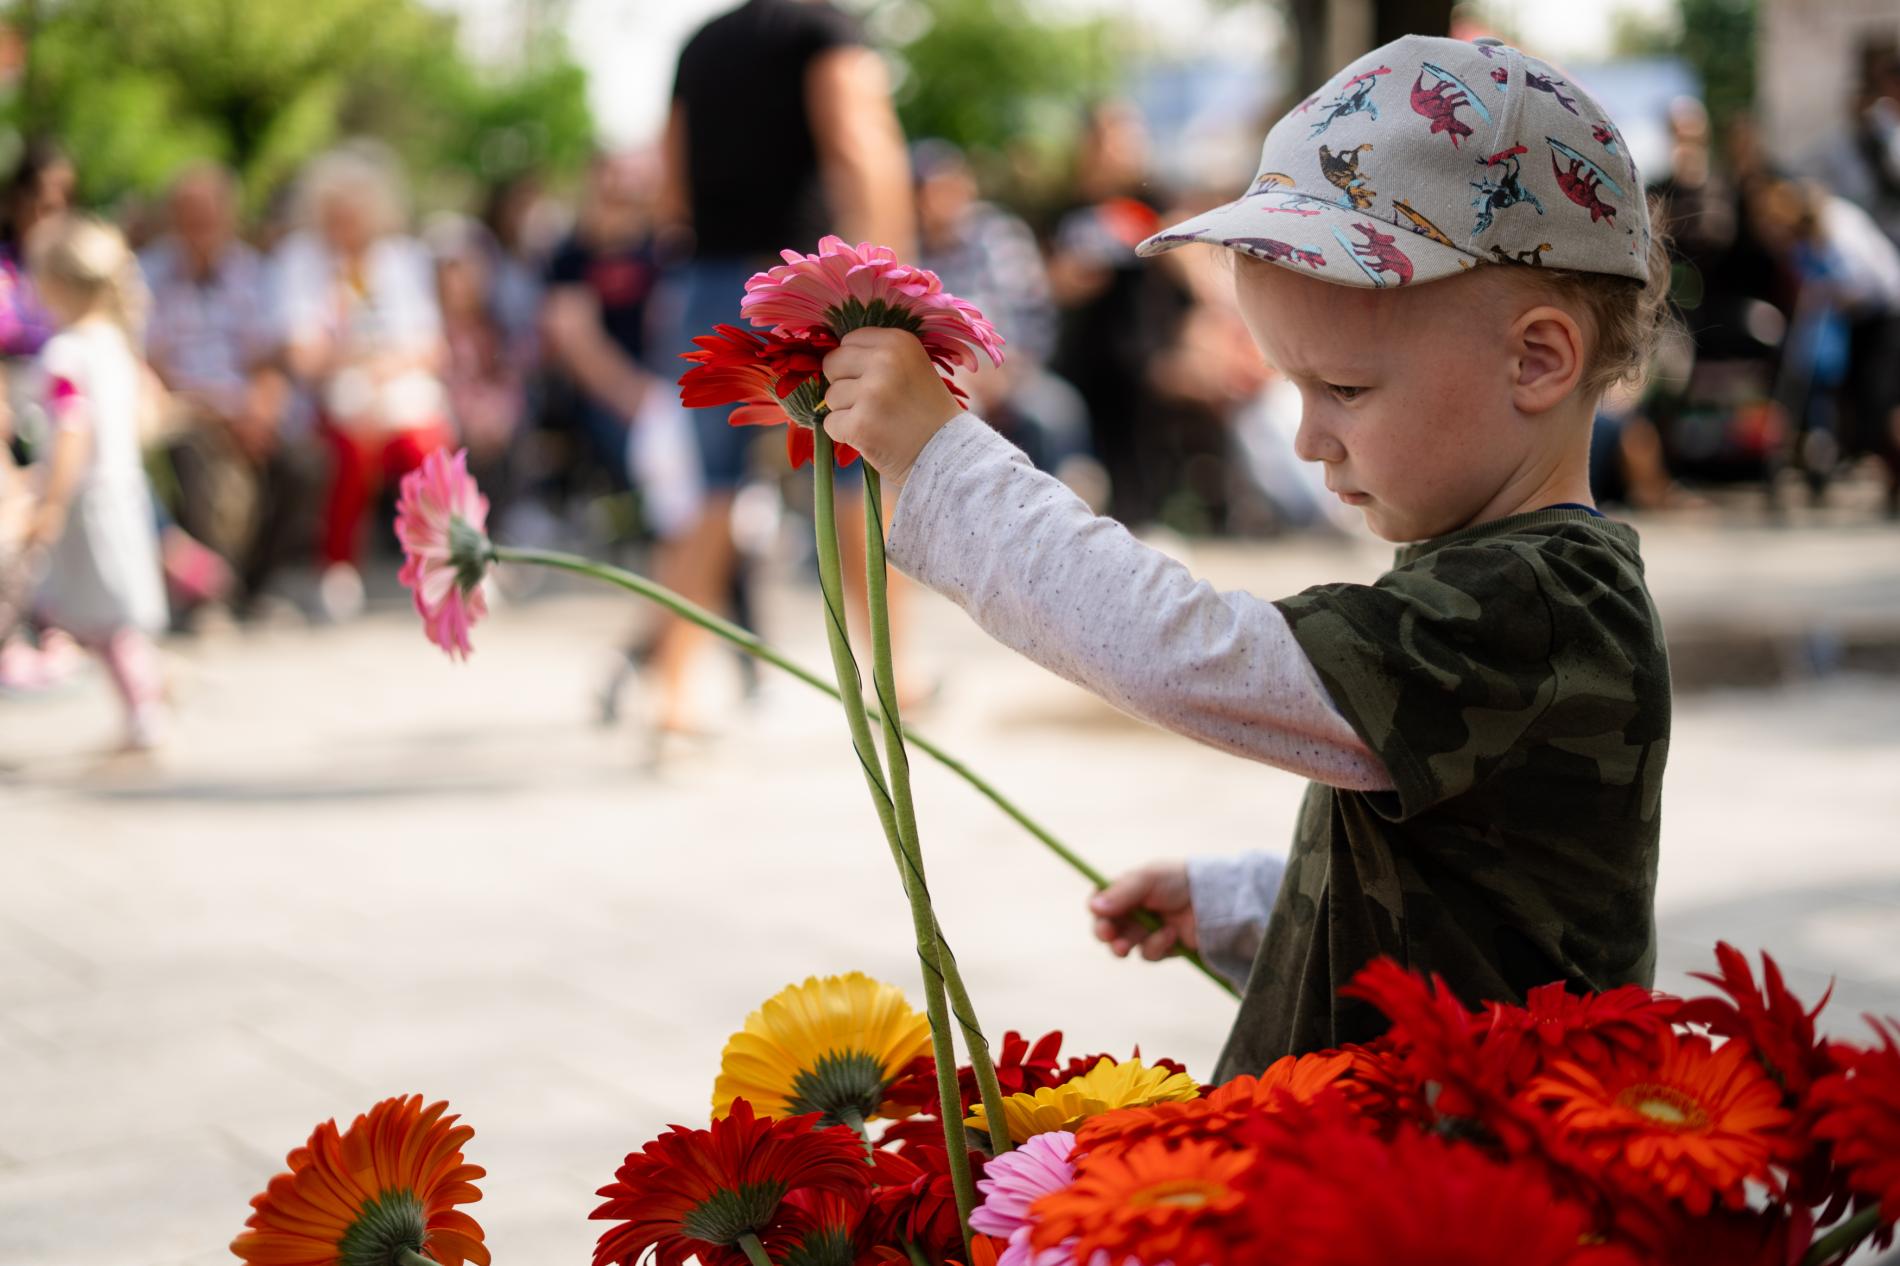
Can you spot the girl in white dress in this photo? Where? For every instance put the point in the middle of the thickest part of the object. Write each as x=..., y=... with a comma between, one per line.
x=94, y=515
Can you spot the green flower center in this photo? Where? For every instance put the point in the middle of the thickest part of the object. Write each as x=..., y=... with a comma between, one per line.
x=855, y=314
x=840, y=1083
x=826, y=1246
x=383, y=1228
x=726, y=1215
x=806, y=403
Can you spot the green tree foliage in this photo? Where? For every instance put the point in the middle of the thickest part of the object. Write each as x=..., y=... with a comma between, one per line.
x=1718, y=39
x=990, y=74
x=135, y=88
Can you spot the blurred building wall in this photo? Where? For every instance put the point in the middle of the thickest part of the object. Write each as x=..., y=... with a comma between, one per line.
x=1808, y=65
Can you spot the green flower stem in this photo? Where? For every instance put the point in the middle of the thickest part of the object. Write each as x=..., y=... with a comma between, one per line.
x=691, y=612
x=855, y=1119
x=897, y=760
x=915, y=1254
x=754, y=1251
x=1844, y=1238
x=923, y=919
x=409, y=1257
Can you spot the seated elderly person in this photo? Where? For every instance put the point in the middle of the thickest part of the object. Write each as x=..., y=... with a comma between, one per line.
x=244, y=481
x=363, y=332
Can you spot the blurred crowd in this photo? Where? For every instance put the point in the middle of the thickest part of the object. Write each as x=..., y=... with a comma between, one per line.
x=293, y=362
x=1787, y=283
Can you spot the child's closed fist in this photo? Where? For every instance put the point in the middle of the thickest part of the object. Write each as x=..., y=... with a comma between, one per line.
x=1160, y=888
x=886, y=398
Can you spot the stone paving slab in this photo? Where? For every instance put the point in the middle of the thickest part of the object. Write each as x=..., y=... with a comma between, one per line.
x=365, y=871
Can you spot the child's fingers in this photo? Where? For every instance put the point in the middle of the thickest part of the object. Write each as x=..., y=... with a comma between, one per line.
x=841, y=395
x=1123, y=896
x=1158, y=944
x=846, y=363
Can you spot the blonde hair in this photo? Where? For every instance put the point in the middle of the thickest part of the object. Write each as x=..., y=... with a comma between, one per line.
x=1626, y=317
x=89, y=259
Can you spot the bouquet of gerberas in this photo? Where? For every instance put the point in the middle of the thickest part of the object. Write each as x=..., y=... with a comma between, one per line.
x=1627, y=1128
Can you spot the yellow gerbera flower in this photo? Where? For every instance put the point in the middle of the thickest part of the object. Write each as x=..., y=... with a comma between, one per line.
x=830, y=1045
x=1106, y=1086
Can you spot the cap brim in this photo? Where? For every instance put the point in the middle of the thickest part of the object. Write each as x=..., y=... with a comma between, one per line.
x=1320, y=239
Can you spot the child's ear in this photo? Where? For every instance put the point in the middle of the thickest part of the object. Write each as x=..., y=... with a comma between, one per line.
x=1547, y=352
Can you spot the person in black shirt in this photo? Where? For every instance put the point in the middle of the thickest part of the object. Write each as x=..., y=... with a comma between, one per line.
x=781, y=130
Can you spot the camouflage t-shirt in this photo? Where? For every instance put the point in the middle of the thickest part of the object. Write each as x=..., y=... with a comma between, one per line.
x=1512, y=676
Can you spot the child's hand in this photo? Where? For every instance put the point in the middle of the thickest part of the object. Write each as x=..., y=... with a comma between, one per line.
x=1161, y=888
x=886, y=399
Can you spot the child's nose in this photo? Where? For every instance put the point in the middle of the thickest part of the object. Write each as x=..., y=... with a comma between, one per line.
x=1313, y=442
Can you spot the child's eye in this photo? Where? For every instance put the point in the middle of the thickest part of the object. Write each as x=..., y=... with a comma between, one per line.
x=1344, y=393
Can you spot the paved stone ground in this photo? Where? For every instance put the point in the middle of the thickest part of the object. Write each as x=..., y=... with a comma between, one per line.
x=363, y=870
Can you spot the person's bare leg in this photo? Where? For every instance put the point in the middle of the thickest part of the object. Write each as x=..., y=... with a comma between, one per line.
x=698, y=566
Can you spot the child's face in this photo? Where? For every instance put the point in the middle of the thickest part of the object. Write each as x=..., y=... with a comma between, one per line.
x=1406, y=393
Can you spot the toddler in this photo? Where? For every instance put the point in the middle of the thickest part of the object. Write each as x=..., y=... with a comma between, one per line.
x=93, y=520
x=1447, y=251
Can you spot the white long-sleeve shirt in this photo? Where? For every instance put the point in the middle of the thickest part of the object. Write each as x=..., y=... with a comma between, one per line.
x=1078, y=594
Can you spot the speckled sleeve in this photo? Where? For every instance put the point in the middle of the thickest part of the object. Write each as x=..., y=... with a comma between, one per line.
x=1079, y=595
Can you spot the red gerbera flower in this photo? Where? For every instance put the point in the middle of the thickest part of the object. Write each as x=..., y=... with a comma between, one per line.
x=1436, y=1040
x=1774, y=1236
x=1153, y=1202
x=1080, y=1064
x=914, y=1202
x=1584, y=1027
x=1383, y=1086
x=1327, y=1193
x=830, y=1231
x=1769, y=1017
x=773, y=379
x=363, y=1195
x=1858, y=1108
x=1020, y=1069
x=1437, y=1072
x=1692, y=1120
x=696, y=1192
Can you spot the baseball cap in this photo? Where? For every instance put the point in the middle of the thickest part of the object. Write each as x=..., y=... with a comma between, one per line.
x=1428, y=156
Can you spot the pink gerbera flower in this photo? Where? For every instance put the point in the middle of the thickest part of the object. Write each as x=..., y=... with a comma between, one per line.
x=441, y=520
x=844, y=288
x=1014, y=1181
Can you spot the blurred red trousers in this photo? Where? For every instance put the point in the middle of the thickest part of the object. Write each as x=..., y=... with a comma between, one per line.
x=365, y=462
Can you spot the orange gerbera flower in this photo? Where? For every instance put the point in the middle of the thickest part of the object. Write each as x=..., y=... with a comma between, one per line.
x=1290, y=1079
x=381, y=1193
x=1693, y=1119
x=1152, y=1201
